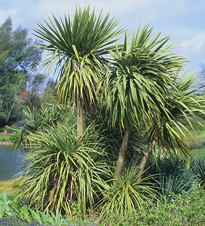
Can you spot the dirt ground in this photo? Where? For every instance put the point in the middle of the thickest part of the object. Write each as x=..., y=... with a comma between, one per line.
x=5, y=142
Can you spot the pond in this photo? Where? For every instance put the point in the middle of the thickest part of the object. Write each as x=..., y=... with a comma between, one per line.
x=9, y=162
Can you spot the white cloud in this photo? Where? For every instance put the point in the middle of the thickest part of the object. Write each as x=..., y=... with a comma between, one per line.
x=194, y=48
x=183, y=20
x=5, y=14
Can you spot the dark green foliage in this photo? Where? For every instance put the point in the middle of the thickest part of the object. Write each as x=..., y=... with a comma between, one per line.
x=176, y=184
x=198, y=167
x=165, y=165
x=171, y=176
x=197, y=145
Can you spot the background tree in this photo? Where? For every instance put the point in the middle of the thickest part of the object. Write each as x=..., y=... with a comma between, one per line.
x=47, y=97
x=51, y=83
x=17, y=61
x=35, y=86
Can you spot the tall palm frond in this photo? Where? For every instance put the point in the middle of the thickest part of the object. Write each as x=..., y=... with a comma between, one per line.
x=78, y=48
x=140, y=76
x=184, y=106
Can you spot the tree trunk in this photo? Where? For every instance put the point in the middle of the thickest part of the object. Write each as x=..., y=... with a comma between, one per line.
x=8, y=116
x=121, y=159
x=144, y=159
x=80, y=118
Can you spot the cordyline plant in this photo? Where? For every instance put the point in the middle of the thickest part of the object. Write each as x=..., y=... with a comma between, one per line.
x=184, y=106
x=140, y=75
x=77, y=46
x=51, y=178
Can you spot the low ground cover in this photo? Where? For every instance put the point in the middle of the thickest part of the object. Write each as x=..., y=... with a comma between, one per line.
x=184, y=209
x=180, y=210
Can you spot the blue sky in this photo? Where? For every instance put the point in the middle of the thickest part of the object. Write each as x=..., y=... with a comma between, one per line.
x=183, y=21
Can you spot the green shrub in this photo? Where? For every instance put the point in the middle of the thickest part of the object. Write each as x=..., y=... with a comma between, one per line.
x=197, y=145
x=4, y=138
x=199, y=153
x=184, y=209
x=2, y=129
x=52, y=177
x=11, y=136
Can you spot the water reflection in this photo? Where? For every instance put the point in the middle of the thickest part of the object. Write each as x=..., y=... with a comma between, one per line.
x=9, y=162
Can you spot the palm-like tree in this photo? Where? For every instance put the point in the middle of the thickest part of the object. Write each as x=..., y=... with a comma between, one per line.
x=167, y=130
x=77, y=47
x=140, y=76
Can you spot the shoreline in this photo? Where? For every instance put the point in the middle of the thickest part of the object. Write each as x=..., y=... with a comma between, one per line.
x=5, y=185
x=5, y=143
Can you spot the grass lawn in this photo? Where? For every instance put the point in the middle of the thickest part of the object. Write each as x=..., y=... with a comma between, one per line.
x=6, y=186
